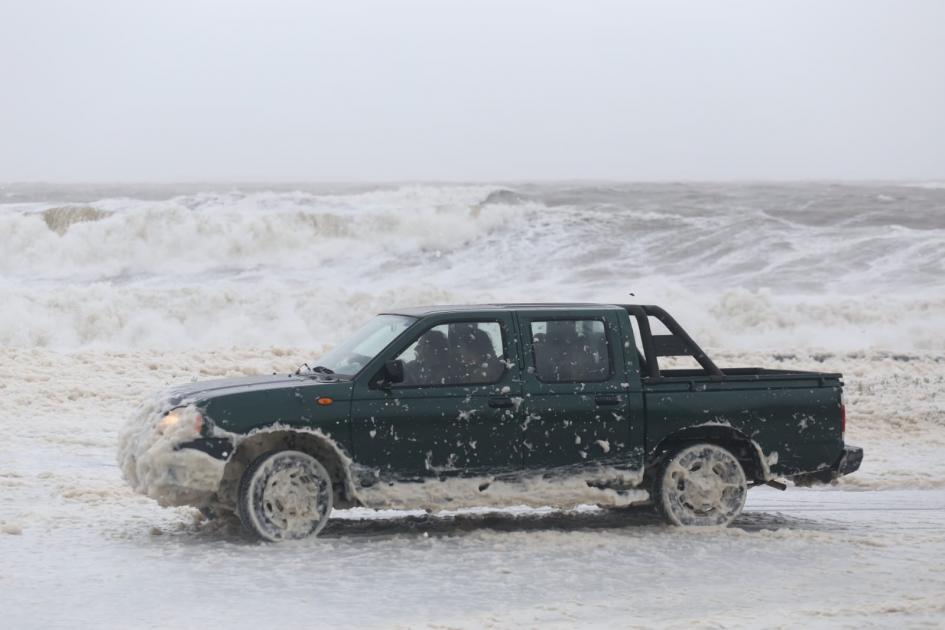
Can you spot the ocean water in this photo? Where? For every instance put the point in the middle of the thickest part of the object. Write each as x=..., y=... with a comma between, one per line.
x=814, y=266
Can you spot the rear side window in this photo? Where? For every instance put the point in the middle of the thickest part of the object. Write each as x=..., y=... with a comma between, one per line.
x=571, y=351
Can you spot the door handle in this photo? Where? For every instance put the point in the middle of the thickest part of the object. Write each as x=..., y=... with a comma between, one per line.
x=607, y=399
x=499, y=402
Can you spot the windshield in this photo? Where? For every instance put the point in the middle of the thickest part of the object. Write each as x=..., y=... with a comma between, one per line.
x=358, y=349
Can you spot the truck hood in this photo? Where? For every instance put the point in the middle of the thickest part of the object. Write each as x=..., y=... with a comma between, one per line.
x=240, y=405
x=202, y=391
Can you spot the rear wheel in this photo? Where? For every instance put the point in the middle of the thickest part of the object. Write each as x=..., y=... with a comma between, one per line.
x=702, y=485
x=285, y=495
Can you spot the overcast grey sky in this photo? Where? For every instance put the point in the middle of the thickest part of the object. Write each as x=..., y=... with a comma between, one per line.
x=477, y=90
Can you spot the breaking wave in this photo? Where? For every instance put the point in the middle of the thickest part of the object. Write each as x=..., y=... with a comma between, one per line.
x=831, y=266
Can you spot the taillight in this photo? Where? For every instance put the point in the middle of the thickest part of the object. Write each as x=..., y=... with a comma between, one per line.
x=843, y=420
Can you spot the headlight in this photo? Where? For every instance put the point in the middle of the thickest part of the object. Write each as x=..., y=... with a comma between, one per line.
x=174, y=418
x=170, y=420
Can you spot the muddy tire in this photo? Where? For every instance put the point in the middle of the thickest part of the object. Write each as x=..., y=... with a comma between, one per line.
x=702, y=485
x=284, y=495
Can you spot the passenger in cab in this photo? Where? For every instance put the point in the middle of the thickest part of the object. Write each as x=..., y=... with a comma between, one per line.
x=430, y=367
x=472, y=356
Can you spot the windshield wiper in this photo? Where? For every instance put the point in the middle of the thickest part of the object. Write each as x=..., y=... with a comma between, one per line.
x=318, y=369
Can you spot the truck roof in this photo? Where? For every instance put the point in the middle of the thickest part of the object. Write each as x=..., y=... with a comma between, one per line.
x=421, y=311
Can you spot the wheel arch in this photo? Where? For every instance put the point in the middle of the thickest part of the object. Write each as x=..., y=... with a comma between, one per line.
x=314, y=443
x=746, y=450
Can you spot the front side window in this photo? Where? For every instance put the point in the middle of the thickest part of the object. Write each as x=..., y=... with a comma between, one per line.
x=357, y=350
x=466, y=353
x=570, y=350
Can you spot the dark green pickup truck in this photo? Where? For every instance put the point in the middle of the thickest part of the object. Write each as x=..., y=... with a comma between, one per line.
x=504, y=404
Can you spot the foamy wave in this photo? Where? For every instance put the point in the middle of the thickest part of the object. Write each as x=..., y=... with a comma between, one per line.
x=775, y=267
x=220, y=315
x=226, y=233
x=926, y=185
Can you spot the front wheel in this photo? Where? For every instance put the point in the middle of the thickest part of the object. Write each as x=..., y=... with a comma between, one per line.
x=701, y=486
x=285, y=495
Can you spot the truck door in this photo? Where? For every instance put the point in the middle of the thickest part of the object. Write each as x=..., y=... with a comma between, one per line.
x=577, y=409
x=458, y=411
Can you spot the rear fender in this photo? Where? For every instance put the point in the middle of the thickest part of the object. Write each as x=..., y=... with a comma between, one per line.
x=756, y=462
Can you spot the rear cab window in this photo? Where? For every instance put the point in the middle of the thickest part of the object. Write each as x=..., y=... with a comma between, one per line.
x=572, y=350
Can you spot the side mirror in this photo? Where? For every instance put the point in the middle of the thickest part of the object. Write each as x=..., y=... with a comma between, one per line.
x=394, y=371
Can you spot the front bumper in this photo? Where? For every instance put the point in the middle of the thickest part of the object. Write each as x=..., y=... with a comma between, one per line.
x=180, y=475
x=218, y=448
x=848, y=462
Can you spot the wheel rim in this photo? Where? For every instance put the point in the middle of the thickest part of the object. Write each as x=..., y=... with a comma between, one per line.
x=703, y=485
x=291, y=497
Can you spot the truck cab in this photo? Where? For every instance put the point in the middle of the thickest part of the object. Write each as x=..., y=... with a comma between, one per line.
x=538, y=387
